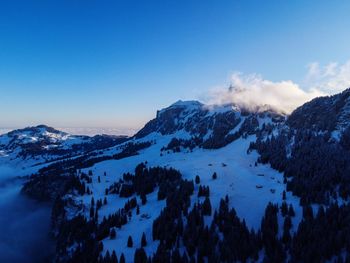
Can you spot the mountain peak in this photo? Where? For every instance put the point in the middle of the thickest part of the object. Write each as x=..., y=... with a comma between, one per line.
x=186, y=103
x=213, y=125
x=39, y=129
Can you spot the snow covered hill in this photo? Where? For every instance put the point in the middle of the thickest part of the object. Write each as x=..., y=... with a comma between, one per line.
x=33, y=145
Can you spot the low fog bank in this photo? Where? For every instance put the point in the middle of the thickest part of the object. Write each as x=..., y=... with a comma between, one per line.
x=24, y=224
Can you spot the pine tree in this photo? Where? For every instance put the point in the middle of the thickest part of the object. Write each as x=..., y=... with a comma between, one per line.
x=206, y=207
x=140, y=256
x=184, y=258
x=100, y=246
x=215, y=176
x=113, y=233
x=92, y=211
x=176, y=257
x=130, y=242
x=284, y=195
x=308, y=212
x=114, y=258
x=200, y=191
x=143, y=240
x=284, y=209
x=122, y=258
x=291, y=212
x=96, y=216
x=286, y=237
x=143, y=199
x=107, y=256
x=197, y=180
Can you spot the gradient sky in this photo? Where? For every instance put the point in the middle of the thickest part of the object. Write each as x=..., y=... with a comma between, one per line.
x=114, y=63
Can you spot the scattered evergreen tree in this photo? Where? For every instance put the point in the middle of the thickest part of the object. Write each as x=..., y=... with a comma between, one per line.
x=291, y=212
x=137, y=210
x=114, y=257
x=143, y=240
x=203, y=191
x=143, y=198
x=122, y=258
x=284, y=209
x=113, y=234
x=140, y=256
x=286, y=237
x=92, y=211
x=107, y=256
x=206, y=207
x=130, y=242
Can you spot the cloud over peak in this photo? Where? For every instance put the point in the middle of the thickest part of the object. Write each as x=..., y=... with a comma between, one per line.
x=252, y=90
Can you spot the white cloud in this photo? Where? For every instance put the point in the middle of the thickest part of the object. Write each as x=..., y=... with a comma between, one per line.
x=252, y=91
x=331, y=78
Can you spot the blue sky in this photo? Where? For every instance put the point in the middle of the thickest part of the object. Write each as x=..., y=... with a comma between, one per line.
x=114, y=63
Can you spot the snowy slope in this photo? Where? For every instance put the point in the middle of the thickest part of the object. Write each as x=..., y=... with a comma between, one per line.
x=238, y=177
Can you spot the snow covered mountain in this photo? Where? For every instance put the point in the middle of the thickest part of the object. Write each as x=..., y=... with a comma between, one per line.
x=201, y=183
x=312, y=149
x=209, y=126
x=43, y=143
x=325, y=114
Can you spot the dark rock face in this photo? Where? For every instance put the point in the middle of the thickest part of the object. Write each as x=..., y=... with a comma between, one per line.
x=172, y=119
x=211, y=127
